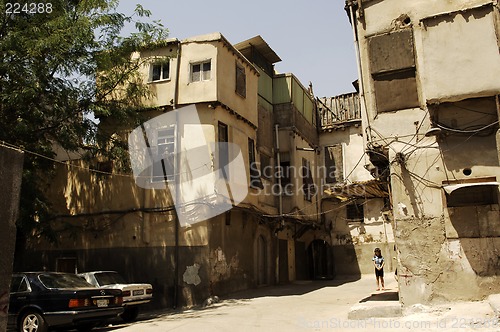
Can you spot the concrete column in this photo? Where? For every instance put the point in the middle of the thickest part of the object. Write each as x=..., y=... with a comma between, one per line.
x=11, y=166
x=291, y=259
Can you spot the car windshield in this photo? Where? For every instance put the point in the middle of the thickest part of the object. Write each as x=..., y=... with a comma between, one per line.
x=63, y=281
x=109, y=278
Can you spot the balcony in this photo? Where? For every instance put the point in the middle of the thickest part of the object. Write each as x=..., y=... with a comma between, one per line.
x=339, y=111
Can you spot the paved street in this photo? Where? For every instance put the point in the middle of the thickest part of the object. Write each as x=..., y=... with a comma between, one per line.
x=314, y=306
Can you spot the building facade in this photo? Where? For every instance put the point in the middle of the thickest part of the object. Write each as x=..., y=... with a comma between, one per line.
x=430, y=110
x=355, y=203
x=246, y=151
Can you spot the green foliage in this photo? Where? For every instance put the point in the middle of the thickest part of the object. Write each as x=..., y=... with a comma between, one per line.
x=56, y=69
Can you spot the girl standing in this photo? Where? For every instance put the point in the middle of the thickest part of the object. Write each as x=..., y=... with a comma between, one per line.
x=379, y=263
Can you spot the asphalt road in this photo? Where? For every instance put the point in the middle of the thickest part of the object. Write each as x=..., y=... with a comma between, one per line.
x=314, y=306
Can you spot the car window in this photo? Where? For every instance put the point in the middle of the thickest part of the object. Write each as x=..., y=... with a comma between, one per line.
x=109, y=278
x=19, y=284
x=63, y=281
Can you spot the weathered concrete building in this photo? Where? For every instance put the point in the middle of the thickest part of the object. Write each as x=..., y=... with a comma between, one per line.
x=354, y=203
x=129, y=222
x=430, y=108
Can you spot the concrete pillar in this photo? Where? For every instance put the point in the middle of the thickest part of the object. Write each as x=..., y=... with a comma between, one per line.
x=291, y=260
x=11, y=166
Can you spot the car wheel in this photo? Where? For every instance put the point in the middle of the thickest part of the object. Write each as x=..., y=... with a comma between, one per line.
x=130, y=314
x=32, y=322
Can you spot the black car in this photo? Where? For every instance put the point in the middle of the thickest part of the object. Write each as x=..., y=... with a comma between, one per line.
x=43, y=300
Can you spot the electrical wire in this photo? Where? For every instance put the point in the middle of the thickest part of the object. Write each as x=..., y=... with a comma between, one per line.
x=465, y=131
x=354, y=168
x=418, y=128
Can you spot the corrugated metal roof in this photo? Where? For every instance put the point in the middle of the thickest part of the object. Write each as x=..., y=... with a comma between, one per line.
x=260, y=45
x=361, y=189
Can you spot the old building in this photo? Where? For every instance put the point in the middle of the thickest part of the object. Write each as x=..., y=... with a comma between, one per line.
x=288, y=126
x=430, y=109
x=355, y=203
x=218, y=124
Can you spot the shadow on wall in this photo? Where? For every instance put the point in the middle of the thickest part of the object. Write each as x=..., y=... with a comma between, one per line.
x=475, y=231
x=149, y=265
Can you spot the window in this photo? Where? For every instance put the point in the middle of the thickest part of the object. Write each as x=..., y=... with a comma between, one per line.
x=473, y=196
x=307, y=180
x=333, y=164
x=265, y=166
x=66, y=264
x=223, y=150
x=19, y=284
x=355, y=212
x=160, y=71
x=254, y=170
x=201, y=71
x=284, y=173
x=241, y=85
x=164, y=165
x=392, y=65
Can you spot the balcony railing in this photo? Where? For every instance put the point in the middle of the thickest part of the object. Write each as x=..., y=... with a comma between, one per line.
x=338, y=110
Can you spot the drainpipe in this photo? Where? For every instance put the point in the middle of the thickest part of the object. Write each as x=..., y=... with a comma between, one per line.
x=280, y=204
x=498, y=131
x=177, y=178
x=366, y=122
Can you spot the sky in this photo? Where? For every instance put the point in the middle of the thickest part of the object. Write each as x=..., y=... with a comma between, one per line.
x=313, y=38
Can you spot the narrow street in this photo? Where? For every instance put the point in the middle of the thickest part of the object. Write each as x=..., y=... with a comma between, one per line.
x=314, y=306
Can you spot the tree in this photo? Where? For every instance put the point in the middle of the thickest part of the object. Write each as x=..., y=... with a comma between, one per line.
x=60, y=64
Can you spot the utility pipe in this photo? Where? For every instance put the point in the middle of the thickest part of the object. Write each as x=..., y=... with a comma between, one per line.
x=360, y=76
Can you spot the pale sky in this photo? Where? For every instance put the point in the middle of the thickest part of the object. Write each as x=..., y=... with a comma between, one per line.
x=313, y=38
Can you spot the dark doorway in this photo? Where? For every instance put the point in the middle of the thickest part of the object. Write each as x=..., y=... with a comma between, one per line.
x=262, y=256
x=320, y=260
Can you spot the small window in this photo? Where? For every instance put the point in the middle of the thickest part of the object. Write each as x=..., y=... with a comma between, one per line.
x=307, y=180
x=393, y=69
x=241, y=85
x=201, y=71
x=355, y=212
x=223, y=149
x=164, y=165
x=284, y=173
x=254, y=169
x=333, y=164
x=66, y=264
x=19, y=284
x=160, y=71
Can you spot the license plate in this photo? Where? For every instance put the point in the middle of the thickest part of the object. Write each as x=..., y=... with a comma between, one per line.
x=138, y=292
x=102, y=303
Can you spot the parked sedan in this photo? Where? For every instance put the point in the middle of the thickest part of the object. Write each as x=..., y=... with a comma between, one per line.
x=133, y=294
x=43, y=300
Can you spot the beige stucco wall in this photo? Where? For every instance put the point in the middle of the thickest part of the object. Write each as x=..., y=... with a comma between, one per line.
x=202, y=91
x=450, y=42
x=353, y=149
x=162, y=92
x=297, y=202
x=434, y=264
x=442, y=44
x=227, y=58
